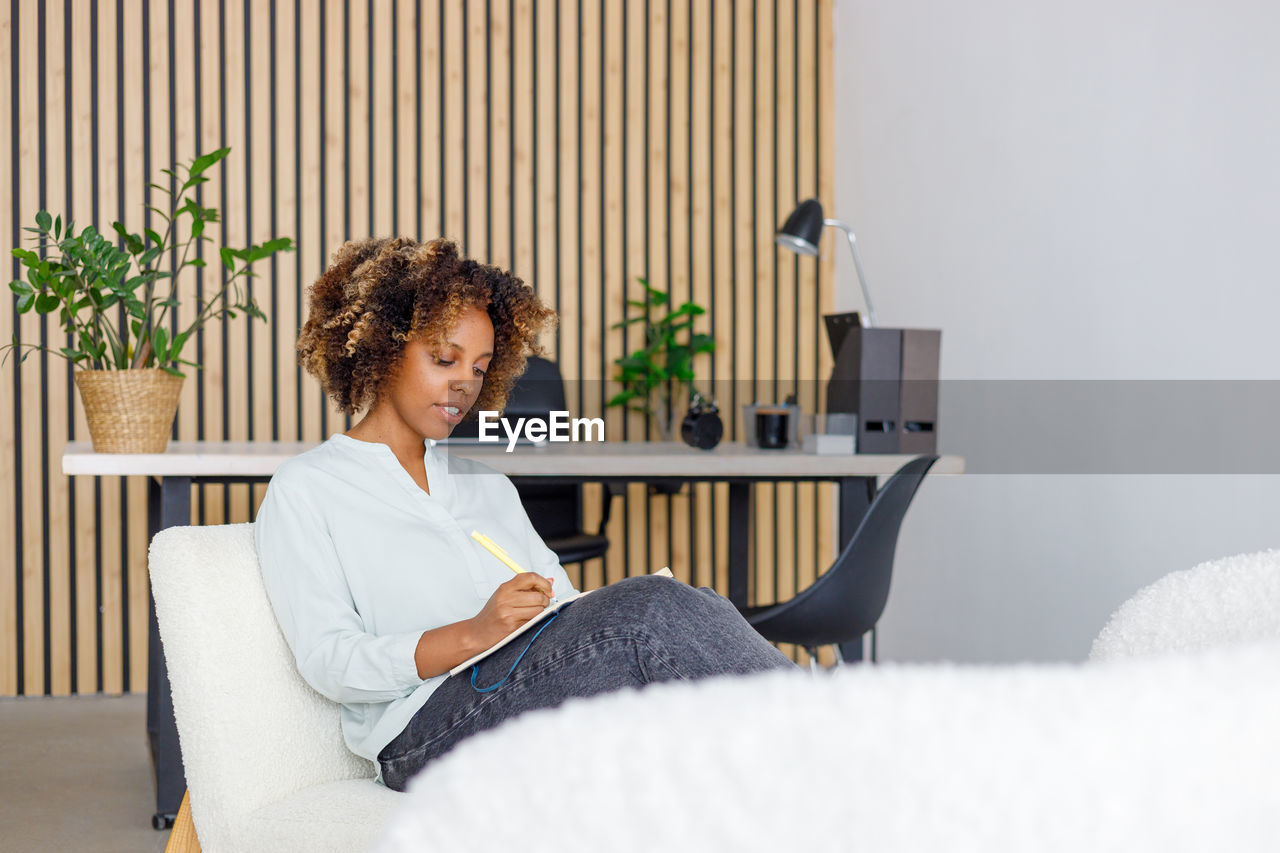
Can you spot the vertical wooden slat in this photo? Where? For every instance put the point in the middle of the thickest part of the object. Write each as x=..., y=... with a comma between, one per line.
x=183, y=64
x=827, y=498
x=522, y=165
x=185, y=145
x=784, y=281
x=261, y=184
x=182, y=68
x=657, y=245
x=85, y=530
x=332, y=64
x=156, y=140
x=591, y=284
x=637, y=261
x=236, y=222
x=679, y=226
x=335, y=61
x=58, y=560
x=765, y=250
x=10, y=489
x=615, y=285
x=133, y=44
x=405, y=104
x=382, y=203
x=724, y=282
x=312, y=247
x=498, y=155
x=809, y=316
x=678, y=249
x=359, y=116
x=285, y=221
x=109, y=488
x=453, y=118
x=702, y=250
x=743, y=338
x=431, y=154
x=476, y=122
x=212, y=378
x=32, y=497
x=743, y=95
x=568, y=283
x=545, y=152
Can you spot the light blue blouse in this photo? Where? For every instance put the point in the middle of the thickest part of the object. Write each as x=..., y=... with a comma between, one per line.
x=359, y=561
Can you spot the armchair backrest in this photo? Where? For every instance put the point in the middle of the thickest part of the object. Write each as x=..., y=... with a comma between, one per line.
x=1217, y=603
x=251, y=730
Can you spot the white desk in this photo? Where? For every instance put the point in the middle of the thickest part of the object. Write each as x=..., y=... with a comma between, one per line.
x=660, y=463
x=669, y=463
x=591, y=460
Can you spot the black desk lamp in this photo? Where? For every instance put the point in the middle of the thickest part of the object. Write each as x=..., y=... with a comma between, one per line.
x=801, y=232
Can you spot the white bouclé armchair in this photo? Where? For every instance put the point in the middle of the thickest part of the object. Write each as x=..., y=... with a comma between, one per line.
x=266, y=765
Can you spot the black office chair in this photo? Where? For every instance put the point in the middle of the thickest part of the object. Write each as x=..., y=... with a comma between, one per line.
x=555, y=510
x=847, y=601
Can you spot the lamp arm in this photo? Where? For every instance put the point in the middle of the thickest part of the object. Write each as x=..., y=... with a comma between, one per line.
x=857, y=265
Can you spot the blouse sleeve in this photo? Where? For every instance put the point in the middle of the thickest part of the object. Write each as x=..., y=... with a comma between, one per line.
x=312, y=603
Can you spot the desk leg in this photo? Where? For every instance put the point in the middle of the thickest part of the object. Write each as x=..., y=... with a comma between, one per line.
x=856, y=494
x=168, y=505
x=739, y=542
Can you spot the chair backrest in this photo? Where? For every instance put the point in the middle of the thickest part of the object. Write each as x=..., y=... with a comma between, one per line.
x=849, y=598
x=538, y=392
x=555, y=510
x=252, y=730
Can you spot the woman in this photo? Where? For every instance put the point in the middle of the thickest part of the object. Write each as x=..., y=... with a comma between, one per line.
x=365, y=540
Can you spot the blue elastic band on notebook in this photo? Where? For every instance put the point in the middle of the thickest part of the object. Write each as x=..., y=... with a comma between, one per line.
x=475, y=668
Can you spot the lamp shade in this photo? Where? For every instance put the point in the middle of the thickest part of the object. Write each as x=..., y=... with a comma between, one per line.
x=802, y=229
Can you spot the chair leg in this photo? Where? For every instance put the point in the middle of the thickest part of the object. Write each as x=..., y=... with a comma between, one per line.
x=182, y=839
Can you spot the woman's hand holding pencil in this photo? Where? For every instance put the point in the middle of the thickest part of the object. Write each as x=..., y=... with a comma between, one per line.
x=512, y=603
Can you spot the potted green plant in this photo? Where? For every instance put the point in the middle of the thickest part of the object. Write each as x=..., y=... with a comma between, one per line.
x=114, y=307
x=659, y=375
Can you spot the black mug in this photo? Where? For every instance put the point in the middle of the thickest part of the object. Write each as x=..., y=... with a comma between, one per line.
x=771, y=428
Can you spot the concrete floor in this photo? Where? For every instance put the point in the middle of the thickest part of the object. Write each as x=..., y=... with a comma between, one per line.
x=75, y=774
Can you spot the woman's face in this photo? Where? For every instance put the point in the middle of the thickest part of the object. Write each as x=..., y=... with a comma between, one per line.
x=428, y=381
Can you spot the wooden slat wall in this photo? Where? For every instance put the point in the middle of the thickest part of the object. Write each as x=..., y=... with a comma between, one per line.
x=581, y=142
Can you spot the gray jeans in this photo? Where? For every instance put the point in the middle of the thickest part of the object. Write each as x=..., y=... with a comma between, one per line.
x=631, y=633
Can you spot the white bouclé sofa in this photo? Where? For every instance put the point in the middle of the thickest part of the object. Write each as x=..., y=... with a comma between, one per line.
x=1173, y=750
x=1176, y=750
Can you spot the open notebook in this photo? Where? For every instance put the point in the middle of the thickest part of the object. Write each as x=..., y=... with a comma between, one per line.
x=541, y=617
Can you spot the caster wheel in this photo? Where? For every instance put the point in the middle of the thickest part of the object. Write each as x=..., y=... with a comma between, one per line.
x=161, y=822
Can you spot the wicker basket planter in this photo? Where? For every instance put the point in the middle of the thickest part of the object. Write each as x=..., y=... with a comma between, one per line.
x=129, y=411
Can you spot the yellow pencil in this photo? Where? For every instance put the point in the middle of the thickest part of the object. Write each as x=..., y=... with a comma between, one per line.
x=496, y=550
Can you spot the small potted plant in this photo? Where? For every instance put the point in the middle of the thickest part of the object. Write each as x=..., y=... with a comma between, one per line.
x=660, y=374
x=116, y=300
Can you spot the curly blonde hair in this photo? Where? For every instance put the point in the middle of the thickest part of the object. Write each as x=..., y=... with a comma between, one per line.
x=378, y=294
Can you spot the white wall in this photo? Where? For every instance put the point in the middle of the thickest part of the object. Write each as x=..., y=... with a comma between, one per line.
x=1085, y=190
